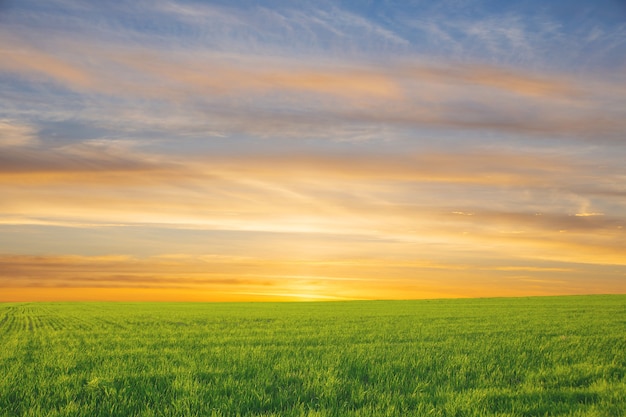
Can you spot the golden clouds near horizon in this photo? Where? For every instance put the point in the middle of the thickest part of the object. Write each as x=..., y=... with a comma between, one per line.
x=305, y=227
x=221, y=165
x=211, y=278
x=409, y=199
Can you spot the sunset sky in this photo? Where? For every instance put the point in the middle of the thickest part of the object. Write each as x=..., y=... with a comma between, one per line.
x=311, y=150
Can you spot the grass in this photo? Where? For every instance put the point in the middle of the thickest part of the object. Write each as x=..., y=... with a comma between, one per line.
x=552, y=356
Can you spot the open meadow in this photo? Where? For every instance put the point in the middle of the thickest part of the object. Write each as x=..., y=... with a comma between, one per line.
x=546, y=356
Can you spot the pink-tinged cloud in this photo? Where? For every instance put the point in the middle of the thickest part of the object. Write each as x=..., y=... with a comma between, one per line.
x=267, y=95
x=298, y=152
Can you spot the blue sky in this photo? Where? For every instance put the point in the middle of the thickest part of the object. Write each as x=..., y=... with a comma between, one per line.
x=455, y=148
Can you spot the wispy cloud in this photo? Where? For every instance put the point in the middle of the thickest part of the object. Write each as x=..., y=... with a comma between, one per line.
x=261, y=95
x=328, y=143
x=386, y=197
x=224, y=278
x=15, y=134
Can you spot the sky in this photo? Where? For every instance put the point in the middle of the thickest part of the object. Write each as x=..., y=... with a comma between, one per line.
x=274, y=150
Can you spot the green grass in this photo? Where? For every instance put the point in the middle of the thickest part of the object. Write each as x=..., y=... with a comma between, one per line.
x=552, y=356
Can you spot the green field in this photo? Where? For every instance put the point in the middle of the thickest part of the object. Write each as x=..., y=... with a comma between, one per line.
x=552, y=356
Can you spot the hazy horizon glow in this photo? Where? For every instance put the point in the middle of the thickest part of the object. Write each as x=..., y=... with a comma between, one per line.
x=335, y=150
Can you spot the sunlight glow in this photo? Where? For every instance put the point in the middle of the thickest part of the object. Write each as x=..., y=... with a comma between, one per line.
x=285, y=152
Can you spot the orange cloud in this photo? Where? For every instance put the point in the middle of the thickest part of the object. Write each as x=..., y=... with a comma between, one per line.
x=269, y=95
x=388, y=197
x=21, y=294
x=219, y=76
x=37, y=63
x=158, y=76
x=171, y=278
x=97, y=163
x=504, y=79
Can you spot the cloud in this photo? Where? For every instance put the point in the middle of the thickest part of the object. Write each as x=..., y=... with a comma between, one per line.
x=117, y=271
x=307, y=27
x=89, y=162
x=306, y=134
x=522, y=35
x=37, y=63
x=274, y=95
x=148, y=73
x=15, y=134
x=505, y=79
x=519, y=202
x=102, y=161
x=224, y=278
